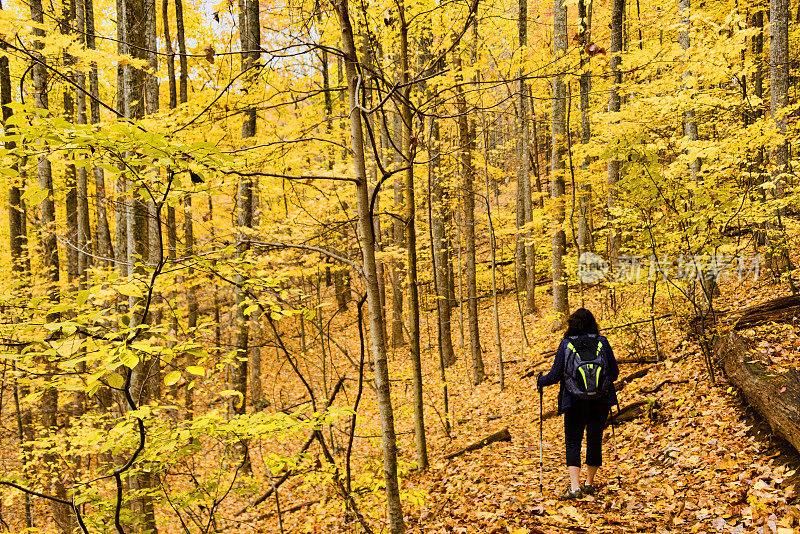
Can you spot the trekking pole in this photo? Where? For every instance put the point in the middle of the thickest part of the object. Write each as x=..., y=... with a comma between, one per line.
x=614, y=440
x=541, y=439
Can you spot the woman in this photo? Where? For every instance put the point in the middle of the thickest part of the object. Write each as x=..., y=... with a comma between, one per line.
x=587, y=406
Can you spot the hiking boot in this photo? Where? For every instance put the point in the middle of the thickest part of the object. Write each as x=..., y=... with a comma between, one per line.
x=570, y=495
x=588, y=489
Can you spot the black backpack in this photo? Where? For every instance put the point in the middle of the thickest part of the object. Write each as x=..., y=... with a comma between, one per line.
x=585, y=368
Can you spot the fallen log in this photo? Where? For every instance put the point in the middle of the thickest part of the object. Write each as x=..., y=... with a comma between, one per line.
x=501, y=435
x=776, y=397
x=779, y=310
x=627, y=413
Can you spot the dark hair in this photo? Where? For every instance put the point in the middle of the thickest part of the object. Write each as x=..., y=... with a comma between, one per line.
x=580, y=323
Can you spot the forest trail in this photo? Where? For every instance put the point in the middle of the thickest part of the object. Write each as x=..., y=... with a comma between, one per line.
x=692, y=462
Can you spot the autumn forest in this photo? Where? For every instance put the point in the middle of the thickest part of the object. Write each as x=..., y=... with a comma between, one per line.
x=295, y=266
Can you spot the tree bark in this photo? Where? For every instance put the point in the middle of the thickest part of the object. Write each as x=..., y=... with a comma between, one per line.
x=84, y=239
x=689, y=123
x=775, y=397
x=409, y=149
x=70, y=174
x=467, y=145
x=560, y=292
x=183, y=60
x=170, y=53
x=779, y=90
x=104, y=248
x=585, y=198
x=613, y=107
x=522, y=155
x=16, y=209
x=382, y=386
x=439, y=254
x=121, y=202
x=398, y=273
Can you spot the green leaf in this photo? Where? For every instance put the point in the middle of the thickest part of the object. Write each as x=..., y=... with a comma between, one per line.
x=172, y=378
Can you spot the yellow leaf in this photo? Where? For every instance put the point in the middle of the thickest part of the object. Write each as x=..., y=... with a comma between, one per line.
x=129, y=290
x=115, y=381
x=196, y=370
x=172, y=378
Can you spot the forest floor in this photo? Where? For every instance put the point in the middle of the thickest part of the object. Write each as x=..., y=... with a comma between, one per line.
x=696, y=460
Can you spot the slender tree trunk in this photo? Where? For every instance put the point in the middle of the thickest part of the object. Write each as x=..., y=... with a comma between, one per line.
x=184, y=62
x=409, y=149
x=170, y=56
x=585, y=198
x=121, y=202
x=398, y=273
x=250, y=39
x=84, y=230
x=689, y=123
x=560, y=294
x=103, y=235
x=17, y=235
x=779, y=90
x=613, y=107
x=70, y=174
x=522, y=154
x=439, y=254
x=468, y=199
x=492, y=247
x=382, y=386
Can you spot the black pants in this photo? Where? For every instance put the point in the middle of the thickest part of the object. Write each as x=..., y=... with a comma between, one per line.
x=589, y=415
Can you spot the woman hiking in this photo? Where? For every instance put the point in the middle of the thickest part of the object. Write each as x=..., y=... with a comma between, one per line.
x=586, y=369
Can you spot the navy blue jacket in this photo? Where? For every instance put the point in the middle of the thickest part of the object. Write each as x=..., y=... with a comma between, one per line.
x=556, y=374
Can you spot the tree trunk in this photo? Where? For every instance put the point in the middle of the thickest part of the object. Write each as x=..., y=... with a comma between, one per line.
x=135, y=94
x=250, y=39
x=613, y=107
x=779, y=90
x=121, y=203
x=439, y=254
x=84, y=231
x=103, y=235
x=170, y=56
x=689, y=123
x=492, y=246
x=382, y=386
x=70, y=174
x=522, y=155
x=409, y=148
x=16, y=211
x=398, y=273
x=467, y=144
x=560, y=294
x=585, y=198
x=184, y=78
